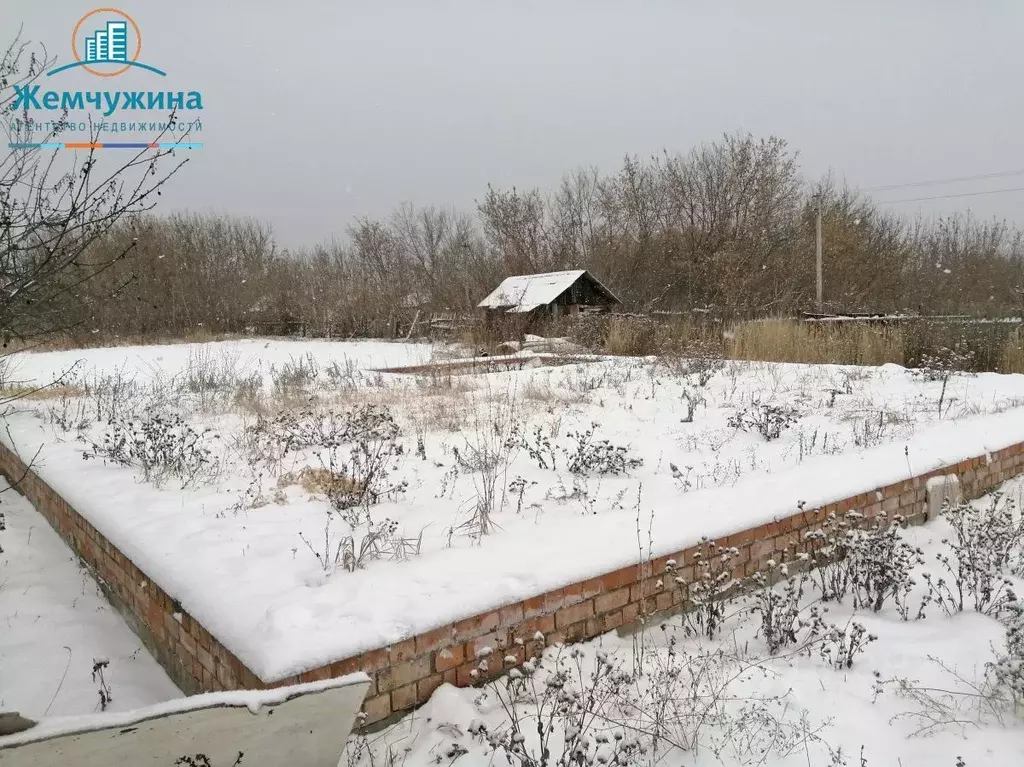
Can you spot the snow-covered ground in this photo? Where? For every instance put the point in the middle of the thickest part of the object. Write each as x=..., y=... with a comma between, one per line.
x=55, y=624
x=921, y=694
x=555, y=463
x=147, y=362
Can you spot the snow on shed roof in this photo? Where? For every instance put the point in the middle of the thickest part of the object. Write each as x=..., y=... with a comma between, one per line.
x=526, y=292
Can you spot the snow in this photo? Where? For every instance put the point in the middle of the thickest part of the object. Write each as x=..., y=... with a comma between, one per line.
x=253, y=700
x=281, y=613
x=147, y=362
x=848, y=710
x=55, y=622
x=526, y=292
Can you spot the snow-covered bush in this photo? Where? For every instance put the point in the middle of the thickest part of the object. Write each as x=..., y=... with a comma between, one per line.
x=268, y=443
x=68, y=414
x=597, y=456
x=984, y=547
x=1008, y=669
x=881, y=565
x=112, y=397
x=567, y=729
x=366, y=540
x=296, y=430
x=839, y=646
x=539, y=447
x=208, y=371
x=766, y=419
x=365, y=477
x=700, y=364
x=352, y=490
x=161, y=447
x=944, y=363
x=297, y=373
x=704, y=597
x=788, y=621
x=487, y=453
x=214, y=380
x=575, y=706
x=779, y=609
x=873, y=565
x=830, y=546
x=691, y=400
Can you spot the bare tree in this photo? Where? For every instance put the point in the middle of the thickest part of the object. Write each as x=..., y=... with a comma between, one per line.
x=54, y=207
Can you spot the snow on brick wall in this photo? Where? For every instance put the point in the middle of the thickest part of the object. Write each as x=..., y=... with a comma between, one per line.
x=405, y=674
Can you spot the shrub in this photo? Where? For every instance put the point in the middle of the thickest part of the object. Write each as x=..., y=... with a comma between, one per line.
x=874, y=565
x=364, y=478
x=540, y=448
x=215, y=380
x=367, y=540
x=840, y=646
x=1008, y=669
x=589, y=456
x=68, y=414
x=297, y=373
x=767, y=420
x=489, y=449
x=779, y=610
x=701, y=363
x=161, y=446
x=328, y=429
x=706, y=595
x=942, y=364
x=881, y=565
x=112, y=397
x=270, y=441
x=785, y=622
x=984, y=547
x=580, y=707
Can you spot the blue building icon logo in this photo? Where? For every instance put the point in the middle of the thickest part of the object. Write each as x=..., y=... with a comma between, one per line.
x=110, y=48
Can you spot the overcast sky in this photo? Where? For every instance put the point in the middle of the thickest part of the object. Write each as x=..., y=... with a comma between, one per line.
x=317, y=112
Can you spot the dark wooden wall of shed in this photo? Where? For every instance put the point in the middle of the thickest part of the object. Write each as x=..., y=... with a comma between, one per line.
x=584, y=293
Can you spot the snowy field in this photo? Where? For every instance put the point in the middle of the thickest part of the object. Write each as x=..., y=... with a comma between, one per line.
x=794, y=676
x=55, y=625
x=344, y=509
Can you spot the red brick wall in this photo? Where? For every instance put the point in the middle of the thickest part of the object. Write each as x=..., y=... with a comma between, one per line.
x=405, y=674
x=191, y=656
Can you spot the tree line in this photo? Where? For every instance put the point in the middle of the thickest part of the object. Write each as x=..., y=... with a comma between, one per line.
x=726, y=228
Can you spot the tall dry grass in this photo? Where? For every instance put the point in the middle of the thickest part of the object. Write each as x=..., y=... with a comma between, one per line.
x=838, y=343
x=1012, y=357
x=71, y=342
x=637, y=336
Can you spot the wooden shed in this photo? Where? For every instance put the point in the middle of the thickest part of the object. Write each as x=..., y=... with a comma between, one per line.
x=553, y=293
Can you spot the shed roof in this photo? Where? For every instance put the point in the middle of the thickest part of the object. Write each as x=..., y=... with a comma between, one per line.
x=526, y=292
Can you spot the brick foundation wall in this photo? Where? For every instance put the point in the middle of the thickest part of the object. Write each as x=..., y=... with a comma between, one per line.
x=194, y=659
x=405, y=674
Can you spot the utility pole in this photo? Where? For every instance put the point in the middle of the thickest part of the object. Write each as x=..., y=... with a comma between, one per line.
x=817, y=250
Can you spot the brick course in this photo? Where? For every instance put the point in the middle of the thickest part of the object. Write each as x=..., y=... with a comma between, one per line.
x=405, y=674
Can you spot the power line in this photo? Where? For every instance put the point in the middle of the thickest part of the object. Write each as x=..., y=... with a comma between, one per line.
x=952, y=180
x=948, y=196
